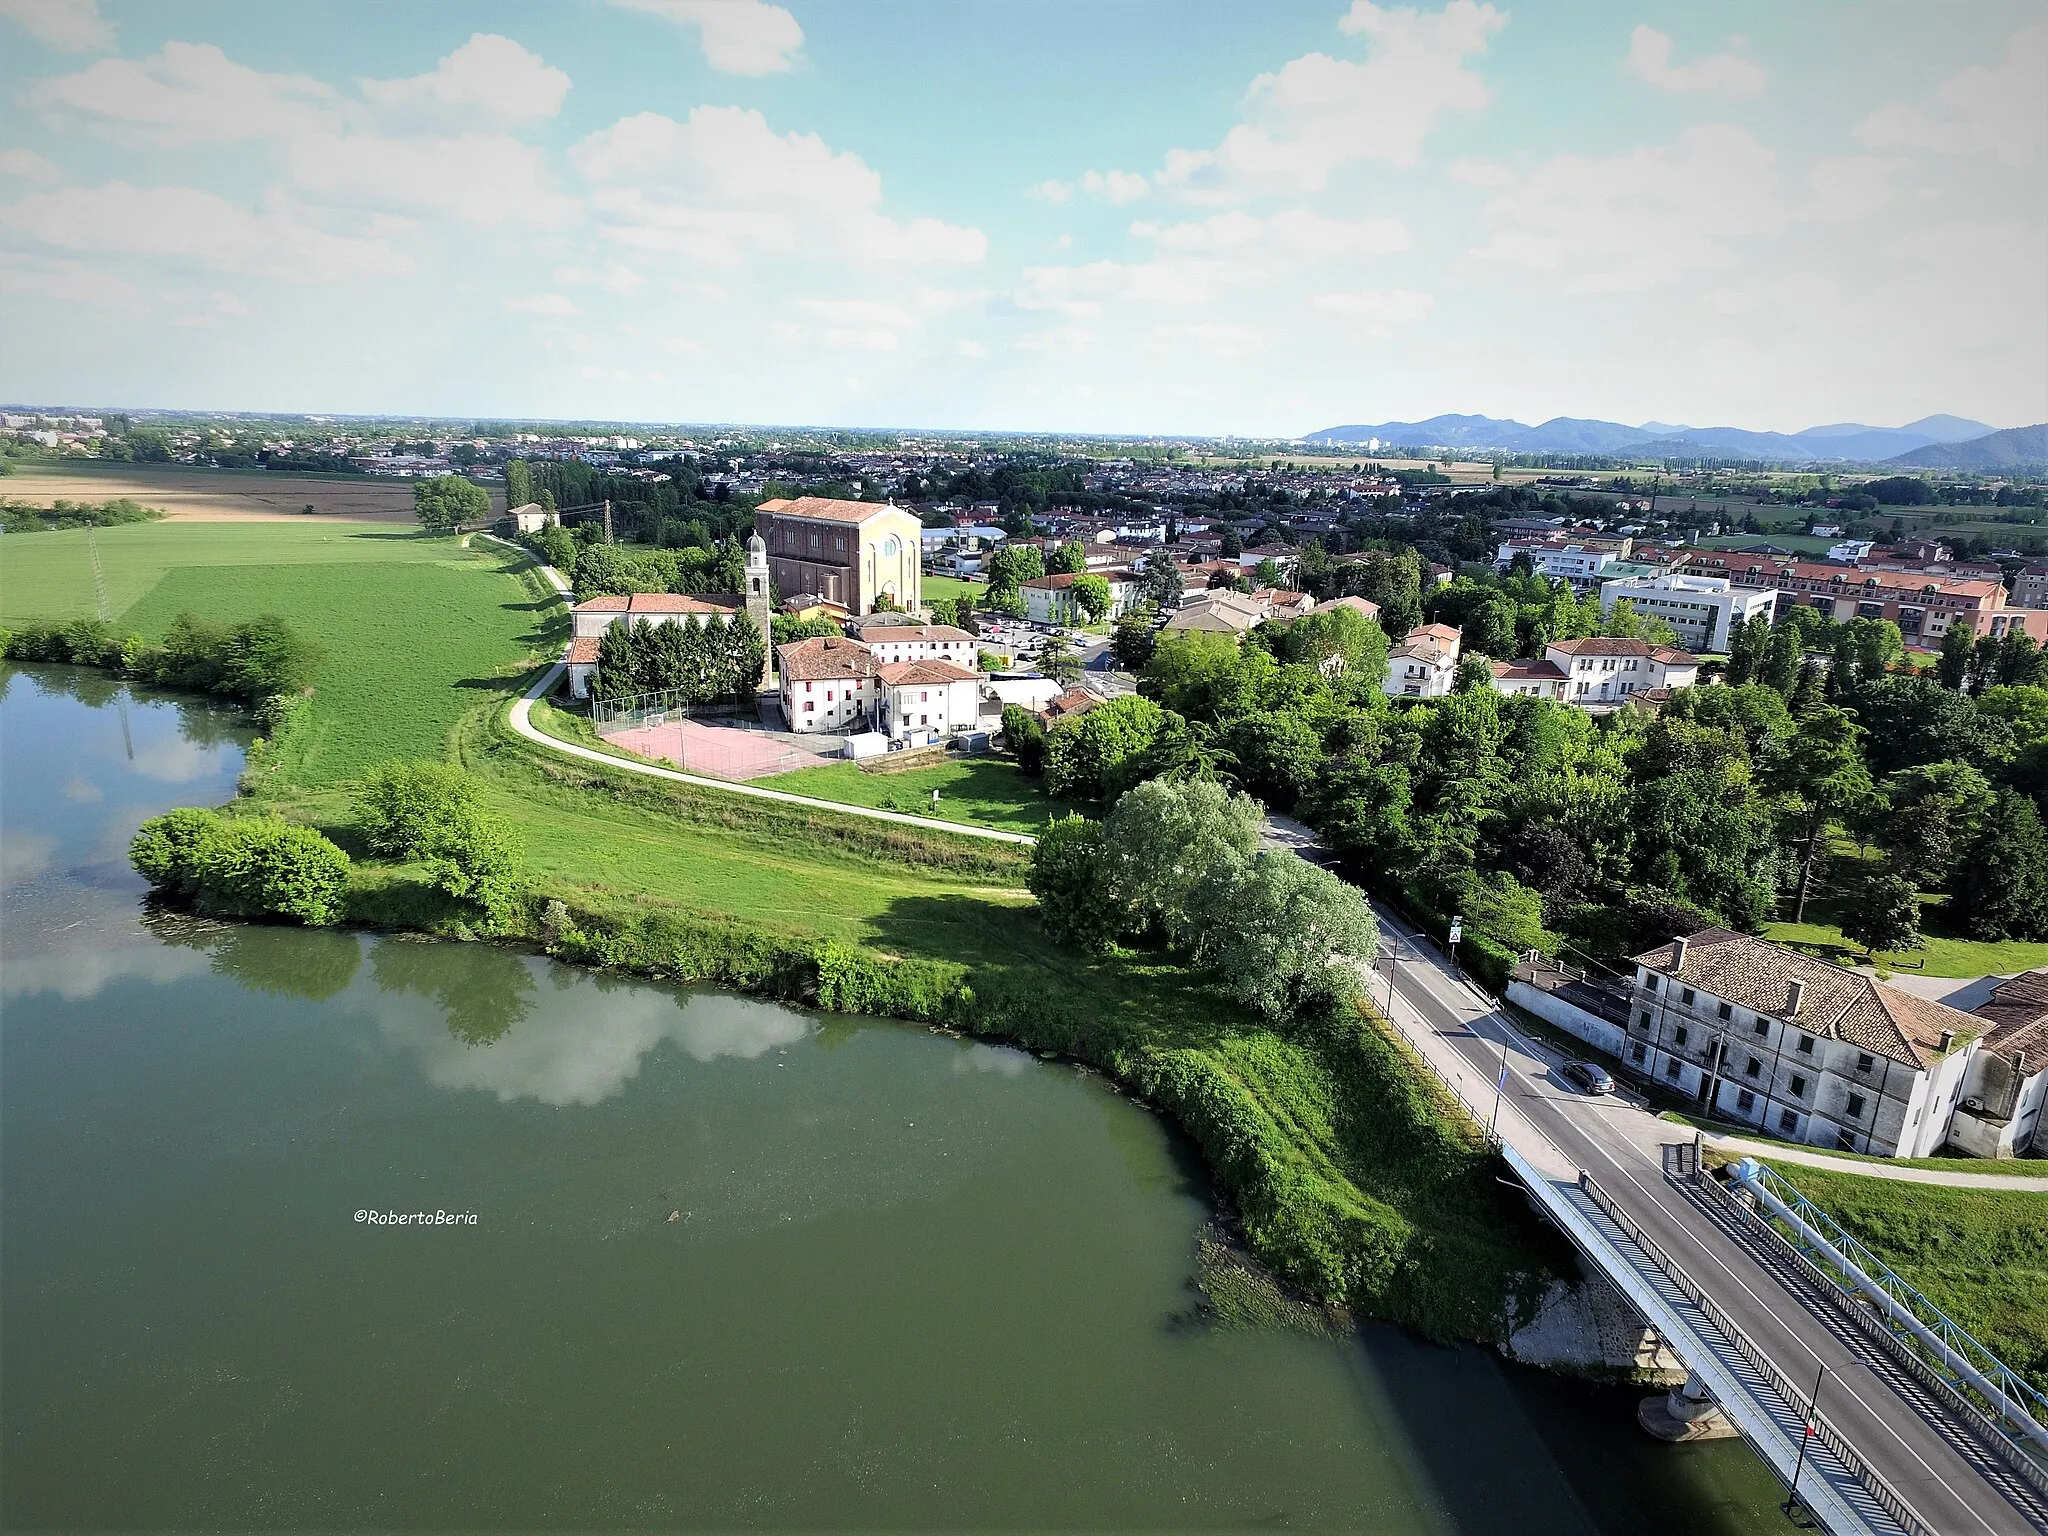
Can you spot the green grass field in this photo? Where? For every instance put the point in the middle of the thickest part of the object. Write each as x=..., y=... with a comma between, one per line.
x=987, y=791
x=1981, y=1256
x=936, y=587
x=416, y=631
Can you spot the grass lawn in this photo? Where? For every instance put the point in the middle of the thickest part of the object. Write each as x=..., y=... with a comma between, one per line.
x=935, y=587
x=1979, y=1255
x=1942, y=956
x=986, y=791
x=415, y=631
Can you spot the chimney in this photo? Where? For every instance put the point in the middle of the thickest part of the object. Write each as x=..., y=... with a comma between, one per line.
x=1948, y=1038
x=1677, y=956
x=1798, y=997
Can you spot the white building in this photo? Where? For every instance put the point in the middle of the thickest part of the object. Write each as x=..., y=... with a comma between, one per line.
x=928, y=700
x=892, y=643
x=1579, y=565
x=589, y=620
x=1535, y=679
x=2006, y=1091
x=1703, y=609
x=1218, y=611
x=1425, y=664
x=1050, y=599
x=1603, y=671
x=1798, y=1048
x=829, y=683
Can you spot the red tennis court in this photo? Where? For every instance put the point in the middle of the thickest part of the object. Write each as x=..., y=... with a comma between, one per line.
x=716, y=751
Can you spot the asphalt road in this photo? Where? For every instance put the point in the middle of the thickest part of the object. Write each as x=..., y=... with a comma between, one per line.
x=1892, y=1422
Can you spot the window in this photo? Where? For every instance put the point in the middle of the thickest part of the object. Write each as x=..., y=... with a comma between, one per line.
x=1649, y=983
x=1670, y=1067
x=1679, y=1035
x=810, y=705
x=1745, y=1101
x=1865, y=1061
x=1845, y=1141
x=1687, y=997
x=1754, y=1068
x=1806, y=1045
x=1798, y=1087
x=1854, y=1108
x=1644, y=1020
x=1788, y=1121
x=1636, y=1052
x=1725, y=1010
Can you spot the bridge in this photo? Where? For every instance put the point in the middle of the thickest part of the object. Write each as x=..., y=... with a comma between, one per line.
x=1868, y=1433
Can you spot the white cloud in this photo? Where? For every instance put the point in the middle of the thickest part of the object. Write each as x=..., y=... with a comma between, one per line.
x=1720, y=74
x=27, y=165
x=1480, y=173
x=70, y=26
x=490, y=82
x=971, y=350
x=740, y=37
x=1293, y=234
x=201, y=229
x=1993, y=111
x=1318, y=114
x=1117, y=186
x=615, y=278
x=478, y=178
x=1626, y=222
x=543, y=304
x=187, y=93
x=1053, y=191
x=723, y=186
x=1380, y=311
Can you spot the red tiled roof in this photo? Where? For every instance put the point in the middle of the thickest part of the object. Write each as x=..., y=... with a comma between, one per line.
x=826, y=509
x=898, y=674
x=583, y=650
x=662, y=602
x=1531, y=671
x=1604, y=646
x=900, y=634
x=825, y=658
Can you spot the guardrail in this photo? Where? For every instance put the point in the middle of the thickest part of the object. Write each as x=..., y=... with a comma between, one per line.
x=1866, y=1321
x=1882, y=1493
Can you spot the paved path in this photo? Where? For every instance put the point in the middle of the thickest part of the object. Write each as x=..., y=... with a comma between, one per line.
x=522, y=723
x=1955, y=1179
x=1957, y=1485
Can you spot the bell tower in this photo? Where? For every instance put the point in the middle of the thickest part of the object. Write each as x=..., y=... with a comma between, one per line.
x=758, y=606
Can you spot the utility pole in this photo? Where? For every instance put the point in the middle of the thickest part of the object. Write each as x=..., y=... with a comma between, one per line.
x=607, y=519
x=1500, y=1086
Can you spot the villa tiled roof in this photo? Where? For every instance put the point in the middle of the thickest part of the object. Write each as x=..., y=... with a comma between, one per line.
x=1835, y=1004
x=1605, y=646
x=2017, y=1012
x=825, y=658
x=896, y=634
x=911, y=673
x=826, y=509
x=583, y=650
x=638, y=603
x=1529, y=671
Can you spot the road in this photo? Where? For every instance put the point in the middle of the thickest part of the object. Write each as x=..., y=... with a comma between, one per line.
x=1888, y=1418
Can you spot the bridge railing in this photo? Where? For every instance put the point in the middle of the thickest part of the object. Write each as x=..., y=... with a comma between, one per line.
x=1882, y=1493
x=1866, y=1321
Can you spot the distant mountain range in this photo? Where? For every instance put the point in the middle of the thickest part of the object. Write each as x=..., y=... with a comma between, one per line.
x=1845, y=441
x=2011, y=449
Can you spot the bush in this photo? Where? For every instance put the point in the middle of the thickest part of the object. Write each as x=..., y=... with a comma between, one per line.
x=1070, y=876
x=253, y=867
x=1025, y=738
x=403, y=804
x=1092, y=755
x=1290, y=939
x=474, y=856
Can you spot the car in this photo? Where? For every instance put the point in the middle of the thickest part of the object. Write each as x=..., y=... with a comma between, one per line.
x=1589, y=1076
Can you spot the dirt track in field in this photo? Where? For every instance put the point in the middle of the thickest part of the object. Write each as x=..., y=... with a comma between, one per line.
x=215, y=495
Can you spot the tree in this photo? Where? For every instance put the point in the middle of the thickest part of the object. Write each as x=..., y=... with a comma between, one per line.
x=1474, y=674
x=1091, y=596
x=1953, y=670
x=1070, y=876
x=1086, y=757
x=473, y=855
x=1823, y=773
x=402, y=803
x=614, y=678
x=1886, y=914
x=1749, y=649
x=1058, y=661
x=1931, y=813
x=440, y=502
x=264, y=866
x=1291, y=938
x=1133, y=640
x=2001, y=889
x=518, y=483
x=1489, y=628
x=1070, y=558
x=1781, y=666
x=1025, y=737
x=1160, y=581
x=1267, y=574
x=1171, y=845
x=1278, y=756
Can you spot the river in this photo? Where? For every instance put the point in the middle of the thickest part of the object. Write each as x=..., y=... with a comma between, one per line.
x=732, y=1265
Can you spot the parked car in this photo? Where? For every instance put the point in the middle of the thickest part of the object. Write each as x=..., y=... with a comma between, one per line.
x=1586, y=1075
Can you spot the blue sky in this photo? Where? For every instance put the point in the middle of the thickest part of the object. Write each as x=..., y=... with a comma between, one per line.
x=1112, y=217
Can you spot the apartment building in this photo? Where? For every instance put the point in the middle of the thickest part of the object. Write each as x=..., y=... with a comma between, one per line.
x=1425, y=664
x=1804, y=1050
x=1604, y=671
x=1922, y=604
x=1704, y=610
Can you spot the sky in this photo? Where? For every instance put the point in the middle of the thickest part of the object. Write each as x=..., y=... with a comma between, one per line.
x=1109, y=216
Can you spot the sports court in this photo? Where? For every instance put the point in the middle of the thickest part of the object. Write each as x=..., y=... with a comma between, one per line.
x=733, y=752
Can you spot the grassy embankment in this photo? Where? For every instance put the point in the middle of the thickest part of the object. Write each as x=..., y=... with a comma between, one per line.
x=1979, y=1255
x=1351, y=1177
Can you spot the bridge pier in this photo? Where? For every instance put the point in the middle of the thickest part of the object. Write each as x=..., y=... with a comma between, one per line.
x=1687, y=1412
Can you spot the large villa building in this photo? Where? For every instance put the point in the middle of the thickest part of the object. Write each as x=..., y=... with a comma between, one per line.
x=915, y=684
x=853, y=553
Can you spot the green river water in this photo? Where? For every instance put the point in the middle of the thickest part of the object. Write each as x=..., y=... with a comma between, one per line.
x=732, y=1265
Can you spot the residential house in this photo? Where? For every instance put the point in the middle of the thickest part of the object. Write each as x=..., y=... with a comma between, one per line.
x=893, y=643
x=1799, y=1048
x=1535, y=679
x=923, y=701
x=589, y=620
x=1050, y=599
x=1283, y=603
x=2030, y=587
x=1425, y=664
x=1604, y=671
x=1364, y=607
x=2006, y=1090
x=1705, y=610
x=858, y=554
x=829, y=683
x=1218, y=611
